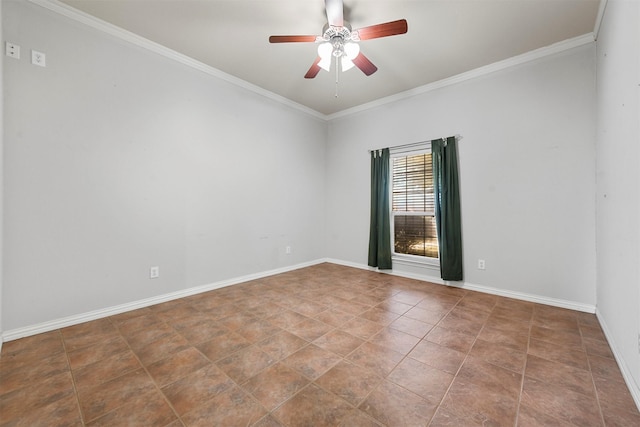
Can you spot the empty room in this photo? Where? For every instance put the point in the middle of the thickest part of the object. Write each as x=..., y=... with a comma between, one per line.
x=320, y=213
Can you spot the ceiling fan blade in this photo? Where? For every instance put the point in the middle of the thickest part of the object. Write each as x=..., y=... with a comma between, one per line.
x=314, y=70
x=383, y=30
x=335, y=12
x=291, y=39
x=364, y=64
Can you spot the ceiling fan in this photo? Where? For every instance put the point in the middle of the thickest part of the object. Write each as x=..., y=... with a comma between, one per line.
x=339, y=41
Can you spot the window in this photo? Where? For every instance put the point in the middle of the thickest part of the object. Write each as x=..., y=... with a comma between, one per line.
x=412, y=206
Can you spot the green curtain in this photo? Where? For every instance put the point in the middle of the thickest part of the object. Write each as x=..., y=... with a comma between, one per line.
x=380, y=232
x=447, y=207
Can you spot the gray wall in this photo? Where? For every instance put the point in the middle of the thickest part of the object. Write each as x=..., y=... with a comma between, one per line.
x=118, y=159
x=618, y=183
x=527, y=174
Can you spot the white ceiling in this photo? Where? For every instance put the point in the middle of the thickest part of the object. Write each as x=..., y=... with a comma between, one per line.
x=445, y=38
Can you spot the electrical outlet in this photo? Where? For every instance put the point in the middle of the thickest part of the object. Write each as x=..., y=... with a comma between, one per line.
x=38, y=58
x=154, y=272
x=288, y=250
x=480, y=264
x=12, y=50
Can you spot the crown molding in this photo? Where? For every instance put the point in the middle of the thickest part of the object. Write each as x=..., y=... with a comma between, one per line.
x=599, y=18
x=475, y=73
x=100, y=25
x=115, y=31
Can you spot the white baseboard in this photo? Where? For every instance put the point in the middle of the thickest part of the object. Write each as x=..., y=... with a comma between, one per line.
x=110, y=311
x=624, y=369
x=571, y=305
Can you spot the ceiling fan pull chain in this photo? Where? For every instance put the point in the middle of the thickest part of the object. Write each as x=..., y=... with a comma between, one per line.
x=337, y=75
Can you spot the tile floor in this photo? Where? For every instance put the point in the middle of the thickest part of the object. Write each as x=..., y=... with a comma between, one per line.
x=322, y=346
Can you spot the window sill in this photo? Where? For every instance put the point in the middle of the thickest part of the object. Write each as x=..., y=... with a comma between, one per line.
x=430, y=263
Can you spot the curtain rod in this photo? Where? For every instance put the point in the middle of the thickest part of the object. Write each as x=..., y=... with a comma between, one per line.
x=458, y=137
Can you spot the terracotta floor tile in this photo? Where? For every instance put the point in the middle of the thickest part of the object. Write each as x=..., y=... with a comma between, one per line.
x=236, y=320
x=88, y=334
x=326, y=345
x=223, y=346
x=133, y=325
x=395, y=306
x=453, y=339
x=334, y=317
x=312, y=361
x=574, y=357
x=24, y=400
x=161, y=348
x=504, y=357
x=114, y=344
x=351, y=382
x=393, y=405
x=33, y=348
x=257, y=330
x=593, y=332
x=506, y=317
x=361, y=328
x=275, y=385
x=197, y=388
x=147, y=335
x=338, y=342
x=395, y=340
x=437, y=356
x=103, y=398
x=435, y=302
x=106, y=369
x=561, y=402
x=309, y=329
x=605, y=367
x=529, y=417
x=281, y=345
x=478, y=301
x=379, y=315
x=465, y=322
x=424, y=380
x=597, y=348
x=427, y=316
x=558, y=337
x=614, y=396
x=411, y=326
x=560, y=374
x=16, y=373
x=202, y=331
x=313, y=407
x=478, y=403
x=309, y=308
x=490, y=377
x=380, y=360
x=246, y=363
x=233, y=407
x=409, y=297
x=266, y=309
x=62, y=412
x=515, y=340
x=268, y=421
x=177, y=366
x=286, y=319
x=147, y=408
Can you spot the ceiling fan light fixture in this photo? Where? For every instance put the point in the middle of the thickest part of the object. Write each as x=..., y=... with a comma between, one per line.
x=325, y=63
x=351, y=50
x=347, y=64
x=325, y=50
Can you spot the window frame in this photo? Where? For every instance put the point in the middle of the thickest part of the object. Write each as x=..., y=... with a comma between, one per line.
x=400, y=258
